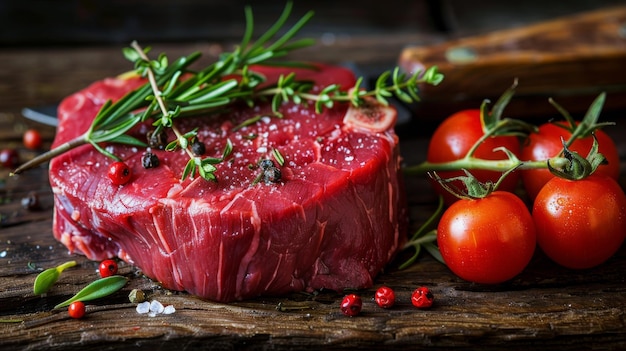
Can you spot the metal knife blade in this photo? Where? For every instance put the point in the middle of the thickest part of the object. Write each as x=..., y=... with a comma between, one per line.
x=42, y=114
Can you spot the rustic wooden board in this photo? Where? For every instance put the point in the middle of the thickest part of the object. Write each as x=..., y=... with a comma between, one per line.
x=571, y=59
x=546, y=307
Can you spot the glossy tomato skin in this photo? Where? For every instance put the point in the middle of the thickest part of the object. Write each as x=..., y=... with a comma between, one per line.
x=547, y=143
x=454, y=137
x=488, y=240
x=580, y=224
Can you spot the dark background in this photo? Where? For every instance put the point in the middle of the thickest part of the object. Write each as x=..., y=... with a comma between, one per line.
x=25, y=23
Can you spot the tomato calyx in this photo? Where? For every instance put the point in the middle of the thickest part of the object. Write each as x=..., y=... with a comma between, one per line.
x=492, y=122
x=587, y=125
x=474, y=189
x=578, y=167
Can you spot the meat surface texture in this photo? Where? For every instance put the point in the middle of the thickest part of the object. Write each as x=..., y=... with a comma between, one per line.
x=333, y=221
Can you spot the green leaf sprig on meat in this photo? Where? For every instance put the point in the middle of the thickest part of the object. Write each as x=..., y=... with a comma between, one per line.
x=175, y=91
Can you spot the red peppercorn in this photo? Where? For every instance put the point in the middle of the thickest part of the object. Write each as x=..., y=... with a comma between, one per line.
x=119, y=173
x=9, y=158
x=422, y=297
x=76, y=309
x=32, y=139
x=107, y=268
x=351, y=305
x=385, y=297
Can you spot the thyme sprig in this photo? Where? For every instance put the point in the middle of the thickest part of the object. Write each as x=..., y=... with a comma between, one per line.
x=174, y=90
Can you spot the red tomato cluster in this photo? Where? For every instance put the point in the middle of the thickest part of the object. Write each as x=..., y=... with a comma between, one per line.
x=577, y=223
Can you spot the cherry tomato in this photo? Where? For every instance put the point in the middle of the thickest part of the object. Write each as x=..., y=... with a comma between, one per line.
x=76, y=309
x=422, y=297
x=581, y=223
x=32, y=139
x=9, y=158
x=385, y=297
x=119, y=173
x=454, y=137
x=547, y=143
x=351, y=305
x=488, y=240
x=107, y=268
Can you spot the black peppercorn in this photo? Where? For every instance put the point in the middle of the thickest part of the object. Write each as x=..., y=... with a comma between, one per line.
x=198, y=148
x=271, y=175
x=265, y=164
x=149, y=160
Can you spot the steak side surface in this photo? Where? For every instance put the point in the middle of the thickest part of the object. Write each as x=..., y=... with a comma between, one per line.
x=333, y=221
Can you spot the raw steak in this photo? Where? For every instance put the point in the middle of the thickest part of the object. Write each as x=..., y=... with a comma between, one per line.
x=333, y=221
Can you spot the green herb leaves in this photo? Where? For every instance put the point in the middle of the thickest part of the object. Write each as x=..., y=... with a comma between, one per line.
x=46, y=279
x=174, y=91
x=100, y=288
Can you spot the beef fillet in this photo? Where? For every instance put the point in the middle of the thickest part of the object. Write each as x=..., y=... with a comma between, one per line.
x=332, y=218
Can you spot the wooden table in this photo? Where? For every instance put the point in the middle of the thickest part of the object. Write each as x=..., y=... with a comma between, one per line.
x=546, y=307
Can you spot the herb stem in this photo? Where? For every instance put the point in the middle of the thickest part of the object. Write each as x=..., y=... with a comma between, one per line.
x=48, y=155
x=151, y=78
x=158, y=95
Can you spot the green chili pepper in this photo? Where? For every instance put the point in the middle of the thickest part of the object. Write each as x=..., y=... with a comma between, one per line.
x=97, y=289
x=47, y=278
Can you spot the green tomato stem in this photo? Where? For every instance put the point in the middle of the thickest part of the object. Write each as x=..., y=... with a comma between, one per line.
x=477, y=163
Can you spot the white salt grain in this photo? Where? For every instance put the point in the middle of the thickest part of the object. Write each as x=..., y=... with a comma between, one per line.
x=156, y=306
x=143, y=307
x=153, y=308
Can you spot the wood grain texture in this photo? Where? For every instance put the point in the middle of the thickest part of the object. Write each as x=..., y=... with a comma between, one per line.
x=571, y=59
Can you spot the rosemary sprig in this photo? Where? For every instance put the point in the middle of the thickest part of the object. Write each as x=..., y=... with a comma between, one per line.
x=174, y=90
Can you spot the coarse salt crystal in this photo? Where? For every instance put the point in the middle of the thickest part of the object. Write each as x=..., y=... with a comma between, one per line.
x=143, y=307
x=153, y=308
x=156, y=306
x=169, y=309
